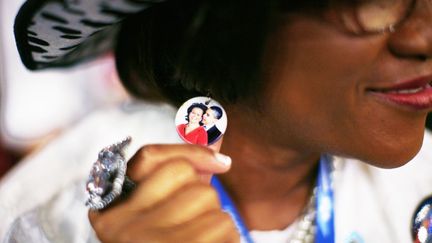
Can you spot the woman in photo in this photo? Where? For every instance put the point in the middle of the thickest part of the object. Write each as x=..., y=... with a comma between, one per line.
x=193, y=131
x=327, y=102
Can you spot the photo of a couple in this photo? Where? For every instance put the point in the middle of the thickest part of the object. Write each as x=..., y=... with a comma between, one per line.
x=198, y=123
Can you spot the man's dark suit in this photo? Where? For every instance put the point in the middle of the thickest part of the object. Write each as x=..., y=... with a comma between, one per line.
x=213, y=134
x=429, y=121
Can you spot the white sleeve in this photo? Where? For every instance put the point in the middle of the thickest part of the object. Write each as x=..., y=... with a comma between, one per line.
x=68, y=159
x=63, y=219
x=26, y=229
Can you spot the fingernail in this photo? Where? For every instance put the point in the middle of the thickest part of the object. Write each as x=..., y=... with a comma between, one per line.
x=223, y=159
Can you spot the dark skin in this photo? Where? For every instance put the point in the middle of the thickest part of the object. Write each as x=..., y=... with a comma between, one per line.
x=326, y=89
x=330, y=82
x=283, y=187
x=316, y=97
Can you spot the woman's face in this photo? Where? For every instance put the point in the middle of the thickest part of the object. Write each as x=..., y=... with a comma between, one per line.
x=195, y=116
x=330, y=91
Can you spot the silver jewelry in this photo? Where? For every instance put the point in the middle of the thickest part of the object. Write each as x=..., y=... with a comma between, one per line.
x=305, y=229
x=107, y=179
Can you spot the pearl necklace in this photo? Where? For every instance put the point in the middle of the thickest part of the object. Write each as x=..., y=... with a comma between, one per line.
x=305, y=228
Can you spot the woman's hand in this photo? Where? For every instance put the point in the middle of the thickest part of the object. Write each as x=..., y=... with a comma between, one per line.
x=173, y=201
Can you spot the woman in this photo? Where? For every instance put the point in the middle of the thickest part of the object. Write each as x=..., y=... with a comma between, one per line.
x=192, y=131
x=305, y=84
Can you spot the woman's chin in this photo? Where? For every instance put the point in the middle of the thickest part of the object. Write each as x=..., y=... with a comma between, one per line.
x=394, y=161
x=393, y=156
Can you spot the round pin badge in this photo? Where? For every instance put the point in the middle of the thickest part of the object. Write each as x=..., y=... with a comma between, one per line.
x=422, y=222
x=201, y=120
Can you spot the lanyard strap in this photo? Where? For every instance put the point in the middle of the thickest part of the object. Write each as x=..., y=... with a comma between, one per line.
x=324, y=205
x=229, y=207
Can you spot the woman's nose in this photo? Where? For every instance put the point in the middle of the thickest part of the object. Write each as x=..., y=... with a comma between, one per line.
x=413, y=37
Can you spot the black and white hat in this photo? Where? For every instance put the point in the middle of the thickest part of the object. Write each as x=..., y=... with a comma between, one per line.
x=61, y=33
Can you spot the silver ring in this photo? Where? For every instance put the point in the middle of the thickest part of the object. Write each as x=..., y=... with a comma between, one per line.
x=107, y=179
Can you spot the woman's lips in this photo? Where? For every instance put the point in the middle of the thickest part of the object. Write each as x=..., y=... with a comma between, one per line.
x=415, y=95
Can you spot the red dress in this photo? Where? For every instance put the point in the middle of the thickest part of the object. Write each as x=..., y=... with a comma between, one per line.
x=196, y=136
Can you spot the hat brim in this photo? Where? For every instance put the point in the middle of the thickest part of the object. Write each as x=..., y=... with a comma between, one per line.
x=52, y=34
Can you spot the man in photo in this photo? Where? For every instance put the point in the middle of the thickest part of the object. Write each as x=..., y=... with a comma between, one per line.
x=211, y=116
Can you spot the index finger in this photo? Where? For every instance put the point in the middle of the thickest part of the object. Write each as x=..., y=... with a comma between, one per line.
x=203, y=159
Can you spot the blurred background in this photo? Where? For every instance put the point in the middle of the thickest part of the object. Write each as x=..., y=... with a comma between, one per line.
x=36, y=106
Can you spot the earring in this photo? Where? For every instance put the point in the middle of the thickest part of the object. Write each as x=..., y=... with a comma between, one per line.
x=201, y=120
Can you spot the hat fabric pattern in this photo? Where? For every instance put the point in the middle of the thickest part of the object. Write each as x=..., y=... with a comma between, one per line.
x=62, y=33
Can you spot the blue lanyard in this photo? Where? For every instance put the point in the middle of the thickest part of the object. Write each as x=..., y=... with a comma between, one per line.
x=324, y=205
x=229, y=207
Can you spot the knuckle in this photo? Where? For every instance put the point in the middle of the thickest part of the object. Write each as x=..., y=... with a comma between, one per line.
x=137, y=165
x=98, y=225
x=148, y=150
x=210, y=195
x=227, y=226
x=205, y=194
x=176, y=170
x=178, y=166
x=226, y=221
